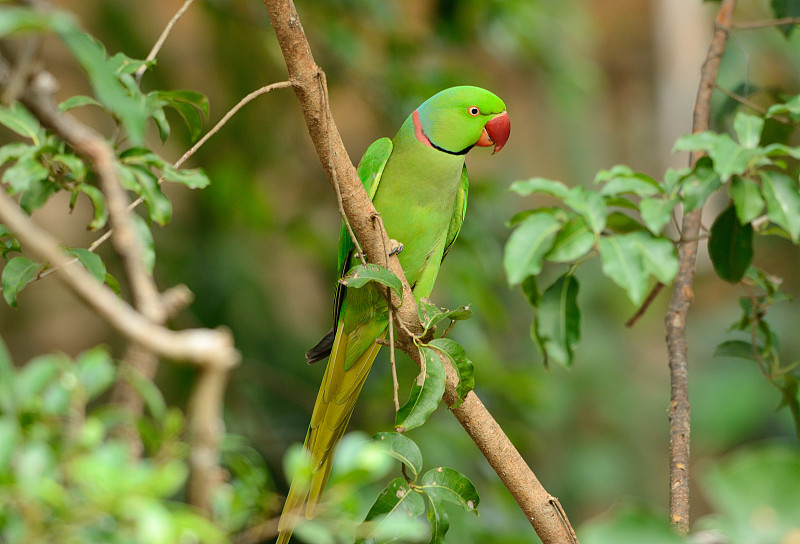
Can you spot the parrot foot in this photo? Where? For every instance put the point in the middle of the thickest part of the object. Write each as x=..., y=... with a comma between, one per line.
x=397, y=247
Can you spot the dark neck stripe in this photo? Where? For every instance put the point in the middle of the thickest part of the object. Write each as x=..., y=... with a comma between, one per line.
x=422, y=137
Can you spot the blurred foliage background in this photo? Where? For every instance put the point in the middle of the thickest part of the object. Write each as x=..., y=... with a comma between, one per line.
x=587, y=85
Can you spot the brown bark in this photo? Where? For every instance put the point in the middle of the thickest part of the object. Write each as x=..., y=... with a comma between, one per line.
x=542, y=510
x=682, y=294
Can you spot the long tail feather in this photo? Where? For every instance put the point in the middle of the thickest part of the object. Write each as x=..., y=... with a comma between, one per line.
x=335, y=402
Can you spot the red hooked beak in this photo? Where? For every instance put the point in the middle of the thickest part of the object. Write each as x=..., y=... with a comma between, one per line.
x=496, y=132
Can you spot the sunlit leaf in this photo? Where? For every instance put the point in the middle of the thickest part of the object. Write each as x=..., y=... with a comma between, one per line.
x=397, y=499
x=699, y=184
x=590, y=206
x=95, y=370
x=622, y=262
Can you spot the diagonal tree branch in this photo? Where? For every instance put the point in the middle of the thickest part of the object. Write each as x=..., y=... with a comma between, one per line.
x=542, y=510
x=682, y=293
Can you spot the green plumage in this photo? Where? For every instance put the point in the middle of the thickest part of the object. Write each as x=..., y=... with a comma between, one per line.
x=418, y=183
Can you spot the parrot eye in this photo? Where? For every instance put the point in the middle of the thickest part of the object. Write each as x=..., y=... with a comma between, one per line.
x=474, y=111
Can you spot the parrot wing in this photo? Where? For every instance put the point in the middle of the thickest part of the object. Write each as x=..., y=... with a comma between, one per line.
x=369, y=171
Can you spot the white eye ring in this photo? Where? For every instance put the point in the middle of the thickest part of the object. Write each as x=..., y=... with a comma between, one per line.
x=474, y=111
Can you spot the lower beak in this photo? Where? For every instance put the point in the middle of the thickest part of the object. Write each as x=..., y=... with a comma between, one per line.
x=496, y=132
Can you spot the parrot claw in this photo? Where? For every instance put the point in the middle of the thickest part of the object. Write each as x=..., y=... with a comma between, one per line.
x=397, y=247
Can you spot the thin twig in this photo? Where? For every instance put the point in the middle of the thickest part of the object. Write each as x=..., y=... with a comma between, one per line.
x=751, y=25
x=752, y=105
x=161, y=39
x=645, y=305
x=682, y=293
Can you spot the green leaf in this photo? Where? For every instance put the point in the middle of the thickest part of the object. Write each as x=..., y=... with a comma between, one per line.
x=791, y=107
x=362, y=274
x=425, y=394
x=748, y=129
x=190, y=105
x=622, y=262
x=746, y=197
x=158, y=205
x=528, y=244
x=95, y=371
x=458, y=357
x=98, y=200
x=530, y=289
x=78, y=101
x=731, y=158
x=194, y=178
x=572, y=242
x=540, y=186
x=622, y=180
x=162, y=124
x=557, y=321
x=15, y=150
x=590, y=206
x=21, y=121
x=18, y=273
x=430, y=314
x=25, y=173
x=699, y=184
x=397, y=499
x=124, y=101
x=146, y=241
x=91, y=261
x=35, y=376
x=622, y=223
x=658, y=256
x=445, y=484
x=656, y=213
x=736, y=349
x=7, y=378
x=18, y=20
x=404, y=450
x=783, y=202
x=702, y=141
x=730, y=246
x=437, y=517
x=37, y=195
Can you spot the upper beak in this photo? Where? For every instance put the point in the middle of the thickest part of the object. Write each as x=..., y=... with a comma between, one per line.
x=496, y=132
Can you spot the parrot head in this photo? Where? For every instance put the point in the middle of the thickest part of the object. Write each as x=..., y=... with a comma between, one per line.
x=456, y=119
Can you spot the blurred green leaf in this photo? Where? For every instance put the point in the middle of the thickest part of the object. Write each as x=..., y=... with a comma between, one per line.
x=590, y=206
x=193, y=178
x=628, y=525
x=540, y=186
x=17, y=273
x=748, y=129
x=98, y=200
x=158, y=205
x=736, y=349
x=397, y=500
x=730, y=246
x=755, y=493
x=426, y=392
x=17, y=118
x=430, y=314
x=699, y=184
x=528, y=244
x=24, y=174
x=656, y=213
x=192, y=106
x=95, y=371
x=146, y=241
x=78, y=101
x=622, y=262
x=437, y=518
x=746, y=197
x=622, y=180
x=91, y=261
x=783, y=202
x=572, y=242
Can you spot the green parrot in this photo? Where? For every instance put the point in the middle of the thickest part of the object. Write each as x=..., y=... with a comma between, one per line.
x=418, y=183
